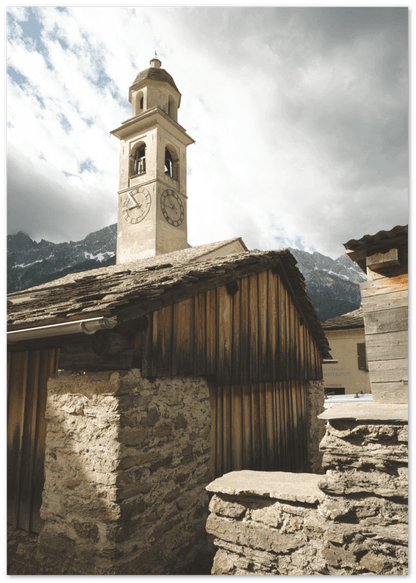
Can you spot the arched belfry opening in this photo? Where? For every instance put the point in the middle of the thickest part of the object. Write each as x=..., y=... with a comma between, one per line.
x=139, y=160
x=172, y=109
x=139, y=105
x=171, y=163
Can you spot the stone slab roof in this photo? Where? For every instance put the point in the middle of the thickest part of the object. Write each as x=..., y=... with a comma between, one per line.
x=353, y=319
x=131, y=290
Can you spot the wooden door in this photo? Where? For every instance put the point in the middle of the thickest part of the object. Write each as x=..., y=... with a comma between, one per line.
x=27, y=377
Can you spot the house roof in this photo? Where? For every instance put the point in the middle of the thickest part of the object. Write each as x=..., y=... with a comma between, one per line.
x=381, y=237
x=357, y=248
x=131, y=290
x=353, y=319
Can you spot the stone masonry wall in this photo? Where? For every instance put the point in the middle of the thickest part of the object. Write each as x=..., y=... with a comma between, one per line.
x=351, y=521
x=127, y=462
x=316, y=426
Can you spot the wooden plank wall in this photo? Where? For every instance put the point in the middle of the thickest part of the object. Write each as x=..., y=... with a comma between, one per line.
x=259, y=427
x=27, y=376
x=385, y=308
x=248, y=332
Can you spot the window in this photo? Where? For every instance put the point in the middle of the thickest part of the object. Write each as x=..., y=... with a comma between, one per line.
x=362, y=357
x=334, y=391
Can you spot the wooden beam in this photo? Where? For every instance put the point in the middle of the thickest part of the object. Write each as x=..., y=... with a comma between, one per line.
x=379, y=261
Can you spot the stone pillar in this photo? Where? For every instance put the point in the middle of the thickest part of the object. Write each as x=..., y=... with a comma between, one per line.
x=316, y=427
x=365, y=455
x=126, y=465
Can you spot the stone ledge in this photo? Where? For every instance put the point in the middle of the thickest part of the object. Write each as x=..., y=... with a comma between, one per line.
x=278, y=485
x=367, y=412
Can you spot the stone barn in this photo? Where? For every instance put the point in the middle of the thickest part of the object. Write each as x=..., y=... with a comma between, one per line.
x=132, y=386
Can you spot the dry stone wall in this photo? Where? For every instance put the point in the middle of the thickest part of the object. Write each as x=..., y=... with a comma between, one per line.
x=316, y=426
x=353, y=520
x=127, y=462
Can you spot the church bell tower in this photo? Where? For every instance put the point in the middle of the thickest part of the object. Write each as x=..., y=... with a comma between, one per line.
x=152, y=176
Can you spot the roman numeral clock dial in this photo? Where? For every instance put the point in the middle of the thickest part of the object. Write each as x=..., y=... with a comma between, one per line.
x=172, y=207
x=136, y=205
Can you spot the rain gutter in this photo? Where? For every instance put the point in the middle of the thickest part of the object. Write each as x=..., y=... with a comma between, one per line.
x=89, y=326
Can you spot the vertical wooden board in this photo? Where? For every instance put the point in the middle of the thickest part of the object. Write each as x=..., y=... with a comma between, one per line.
x=226, y=430
x=15, y=423
x=262, y=426
x=282, y=332
x=213, y=434
x=147, y=347
x=154, y=361
x=284, y=417
x=162, y=342
x=255, y=425
x=211, y=330
x=264, y=372
x=236, y=359
x=318, y=360
x=254, y=329
x=247, y=432
x=47, y=369
x=29, y=440
x=302, y=351
x=304, y=406
x=183, y=342
x=296, y=430
x=220, y=436
x=270, y=428
x=237, y=428
x=297, y=332
x=225, y=335
x=244, y=331
x=9, y=366
x=272, y=345
x=200, y=334
x=291, y=339
x=277, y=441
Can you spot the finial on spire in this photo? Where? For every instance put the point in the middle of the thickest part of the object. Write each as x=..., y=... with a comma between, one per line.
x=156, y=54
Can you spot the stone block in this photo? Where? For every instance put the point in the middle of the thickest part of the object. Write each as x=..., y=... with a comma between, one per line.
x=222, y=564
x=372, y=563
x=255, y=536
x=229, y=508
x=337, y=556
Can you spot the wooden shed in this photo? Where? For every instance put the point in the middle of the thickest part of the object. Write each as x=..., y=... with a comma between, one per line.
x=243, y=321
x=384, y=258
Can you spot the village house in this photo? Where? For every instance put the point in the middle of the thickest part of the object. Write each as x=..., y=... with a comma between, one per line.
x=347, y=374
x=132, y=386
x=384, y=258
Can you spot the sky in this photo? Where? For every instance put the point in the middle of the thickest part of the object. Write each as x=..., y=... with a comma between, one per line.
x=299, y=116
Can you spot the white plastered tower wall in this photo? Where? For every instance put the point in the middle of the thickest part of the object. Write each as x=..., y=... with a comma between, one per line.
x=152, y=199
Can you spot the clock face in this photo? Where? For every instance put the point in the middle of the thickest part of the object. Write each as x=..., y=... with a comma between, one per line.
x=136, y=205
x=172, y=207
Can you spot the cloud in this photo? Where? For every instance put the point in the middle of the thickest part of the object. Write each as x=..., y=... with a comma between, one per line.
x=299, y=116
